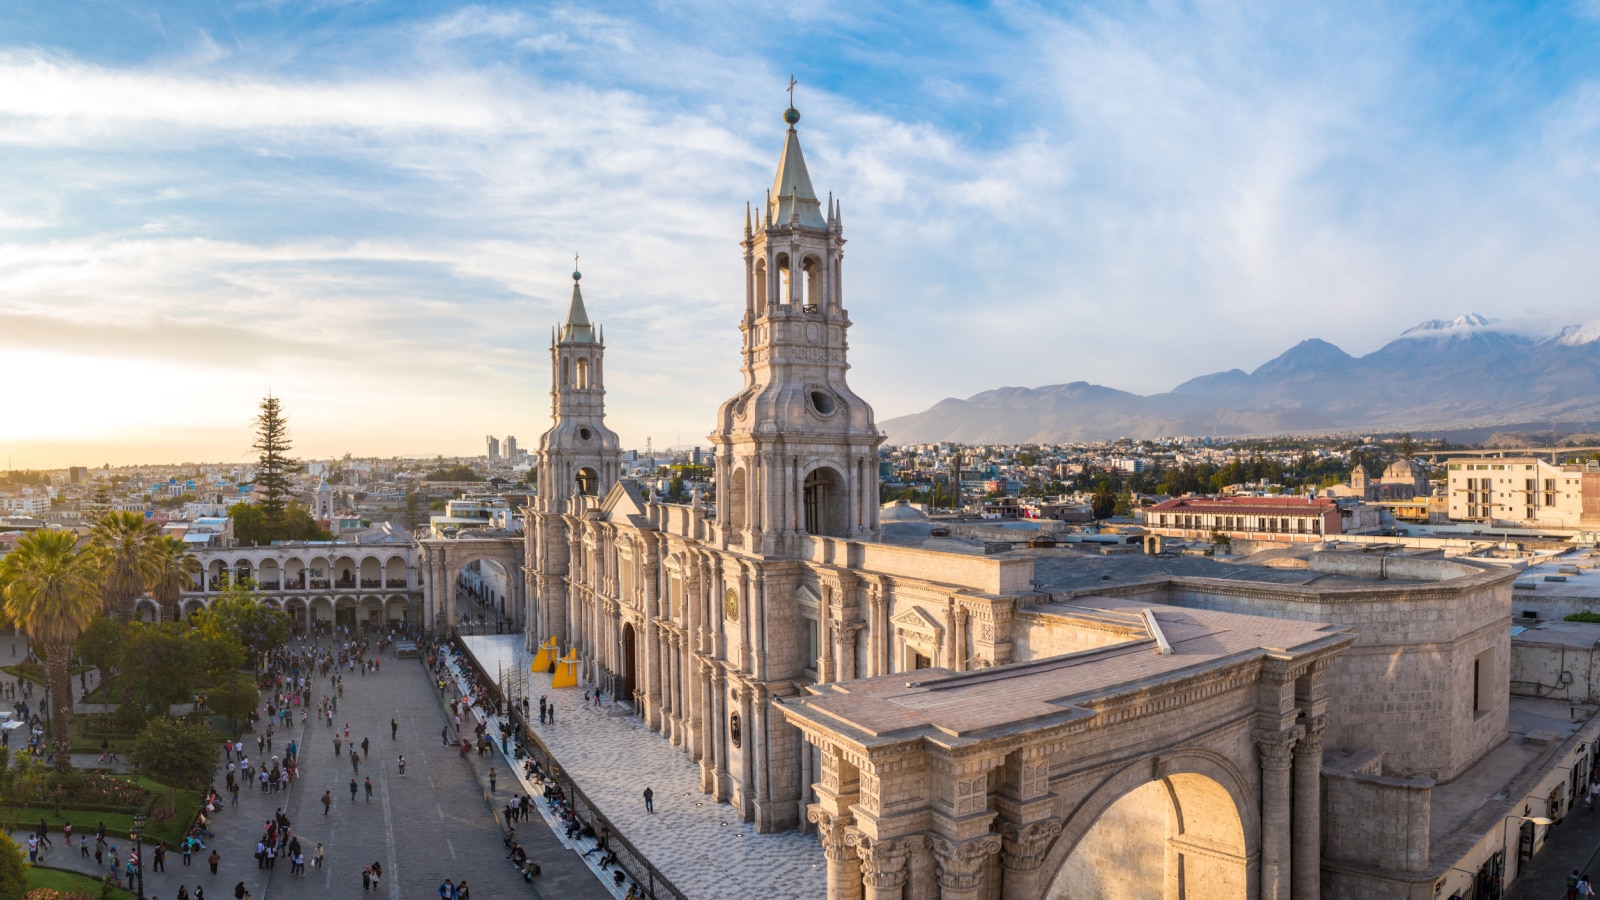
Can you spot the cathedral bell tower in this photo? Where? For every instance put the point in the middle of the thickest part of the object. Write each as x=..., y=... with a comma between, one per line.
x=797, y=450
x=579, y=454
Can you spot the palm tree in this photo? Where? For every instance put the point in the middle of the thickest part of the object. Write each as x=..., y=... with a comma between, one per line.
x=122, y=540
x=51, y=590
x=169, y=570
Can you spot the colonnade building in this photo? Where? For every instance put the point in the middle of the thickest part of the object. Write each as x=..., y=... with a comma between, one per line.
x=958, y=723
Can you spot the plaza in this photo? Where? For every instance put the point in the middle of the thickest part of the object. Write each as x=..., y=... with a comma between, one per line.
x=435, y=822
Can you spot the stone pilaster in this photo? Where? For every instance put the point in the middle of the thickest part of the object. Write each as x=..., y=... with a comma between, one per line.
x=1276, y=751
x=959, y=865
x=1308, y=811
x=884, y=869
x=1022, y=852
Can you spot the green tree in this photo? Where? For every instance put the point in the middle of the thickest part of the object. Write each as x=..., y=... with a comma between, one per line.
x=239, y=612
x=171, y=570
x=121, y=541
x=162, y=665
x=51, y=589
x=1102, y=503
x=412, y=516
x=457, y=472
x=298, y=525
x=13, y=869
x=176, y=753
x=274, y=465
x=249, y=525
x=100, y=645
x=1408, y=446
x=676, y=493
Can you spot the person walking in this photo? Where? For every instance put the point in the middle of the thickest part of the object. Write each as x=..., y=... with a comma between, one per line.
x=355, y=760
x=353, y=788
x=491, y=779
x=394, y=729
x=368, y=782
x=316, y=857
x=213, y=859
x=447, y=891
x=401, y=762
x=461, y=890
x=364, y=750
x=649, y=800
x=327, y=801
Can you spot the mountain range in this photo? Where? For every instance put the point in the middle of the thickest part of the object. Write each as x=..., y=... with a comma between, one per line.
x=1440, y=375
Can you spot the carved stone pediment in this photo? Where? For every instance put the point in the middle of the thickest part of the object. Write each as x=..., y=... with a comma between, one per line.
x=919, y=622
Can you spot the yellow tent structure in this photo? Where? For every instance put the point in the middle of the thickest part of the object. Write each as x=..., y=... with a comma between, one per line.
x=547, y=655
x=566, y=671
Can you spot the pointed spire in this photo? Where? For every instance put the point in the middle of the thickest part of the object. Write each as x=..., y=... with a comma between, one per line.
x=796, y=198
x=747, y=219
x=577, y=328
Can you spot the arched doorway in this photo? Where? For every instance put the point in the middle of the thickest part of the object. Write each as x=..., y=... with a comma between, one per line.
x=630, y=652
x=1175, y=838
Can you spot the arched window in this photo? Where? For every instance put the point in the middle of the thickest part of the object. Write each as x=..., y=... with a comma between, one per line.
x=737, y=499
x=761, y=287
x=812, y=285
x=783, y=273
x=825, y=502
x=583, y=373
x=566, y=372
x=588, y=482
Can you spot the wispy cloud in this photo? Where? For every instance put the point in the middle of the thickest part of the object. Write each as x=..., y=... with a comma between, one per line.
x=1125, y=193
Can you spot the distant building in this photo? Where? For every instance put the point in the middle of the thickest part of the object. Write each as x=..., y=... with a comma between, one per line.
x=1292, y=519
x=78, y=474
x=494, y=447
x=511, y=448
x=1523, y=491
x=1404, y=479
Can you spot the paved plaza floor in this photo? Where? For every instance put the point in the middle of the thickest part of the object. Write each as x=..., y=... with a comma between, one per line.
x=698, y=843
x=434, y=823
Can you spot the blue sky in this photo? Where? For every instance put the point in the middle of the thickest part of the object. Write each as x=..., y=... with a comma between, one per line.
x=371, y=208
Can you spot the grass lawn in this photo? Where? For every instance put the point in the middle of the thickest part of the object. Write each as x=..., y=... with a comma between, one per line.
x=117, y=823
x=62, y=880
x=16, y=672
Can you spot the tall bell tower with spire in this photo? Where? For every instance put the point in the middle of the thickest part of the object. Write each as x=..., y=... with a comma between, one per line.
x=579, y=458
x=579, y=454
x=797, y=449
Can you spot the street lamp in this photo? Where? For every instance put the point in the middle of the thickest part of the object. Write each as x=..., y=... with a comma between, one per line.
x=1505, y=841
x=137, y=833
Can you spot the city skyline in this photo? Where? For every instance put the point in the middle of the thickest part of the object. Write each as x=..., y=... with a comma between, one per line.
x=372, y=213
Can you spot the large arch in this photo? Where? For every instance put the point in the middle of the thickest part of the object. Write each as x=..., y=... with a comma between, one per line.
x=1186, y=827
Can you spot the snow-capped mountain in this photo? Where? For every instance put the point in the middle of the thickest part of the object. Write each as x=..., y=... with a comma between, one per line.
x=1474, y=374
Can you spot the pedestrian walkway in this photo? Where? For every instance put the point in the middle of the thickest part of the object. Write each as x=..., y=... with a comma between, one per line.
x=434, y=823
x=1574, y=844
x=699, y=844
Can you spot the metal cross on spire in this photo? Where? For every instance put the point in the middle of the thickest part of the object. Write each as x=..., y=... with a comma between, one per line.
x=792, y=83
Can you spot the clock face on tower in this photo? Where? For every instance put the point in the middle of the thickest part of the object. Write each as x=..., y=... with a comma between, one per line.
x=731, y=605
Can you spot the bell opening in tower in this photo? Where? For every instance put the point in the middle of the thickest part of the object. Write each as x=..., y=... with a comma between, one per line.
x=825, y=498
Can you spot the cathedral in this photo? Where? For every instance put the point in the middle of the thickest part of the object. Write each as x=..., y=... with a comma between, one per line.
x=959, y=717
x=702, y=620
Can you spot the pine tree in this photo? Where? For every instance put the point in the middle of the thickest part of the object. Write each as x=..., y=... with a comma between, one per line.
x=273, y=465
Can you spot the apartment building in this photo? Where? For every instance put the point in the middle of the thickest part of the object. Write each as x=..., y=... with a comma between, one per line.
x=1523, y=491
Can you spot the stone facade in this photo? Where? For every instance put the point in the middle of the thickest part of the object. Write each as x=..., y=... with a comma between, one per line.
x=947, y=722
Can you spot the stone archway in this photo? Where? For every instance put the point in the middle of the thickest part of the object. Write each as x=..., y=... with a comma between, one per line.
x=1179, y=836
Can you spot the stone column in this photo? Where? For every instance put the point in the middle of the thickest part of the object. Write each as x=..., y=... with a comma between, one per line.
x=884, y=869
x=959, y=865
x=1276, y=749
x=844, y=867
x=1022, y=852
x=719, y=736
x=1308, y=811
